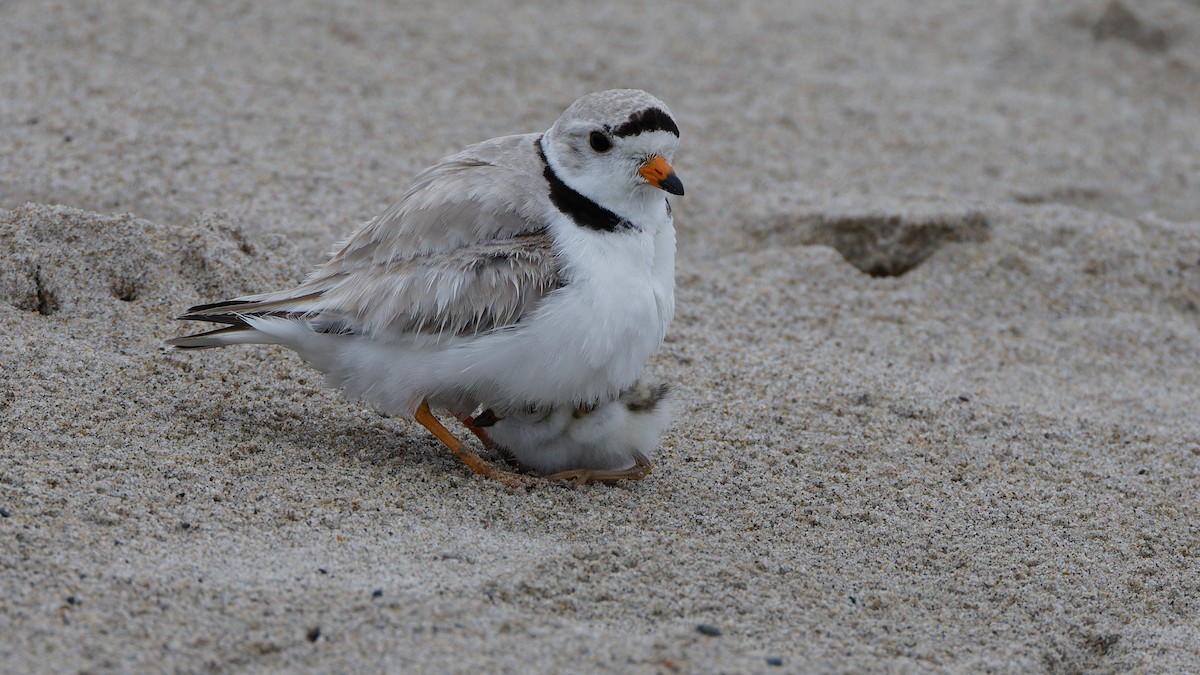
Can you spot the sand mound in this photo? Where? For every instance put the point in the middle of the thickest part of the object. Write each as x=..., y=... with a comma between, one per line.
x=78, y=265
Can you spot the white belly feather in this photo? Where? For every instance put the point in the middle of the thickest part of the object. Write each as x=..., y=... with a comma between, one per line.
x=585, y=343
x=589, y=339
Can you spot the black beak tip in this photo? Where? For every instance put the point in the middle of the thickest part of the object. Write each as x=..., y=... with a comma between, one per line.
x=672, y=184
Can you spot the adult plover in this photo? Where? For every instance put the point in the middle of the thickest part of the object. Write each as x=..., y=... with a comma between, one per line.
x=525, y=272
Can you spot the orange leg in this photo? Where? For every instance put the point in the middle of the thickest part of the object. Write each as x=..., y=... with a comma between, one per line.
x=480, y=433
x=476, y=463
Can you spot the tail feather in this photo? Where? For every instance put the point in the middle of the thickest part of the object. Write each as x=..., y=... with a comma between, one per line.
x=239, y=315
x=224, y=304
x=223, y=337
x=234, y=311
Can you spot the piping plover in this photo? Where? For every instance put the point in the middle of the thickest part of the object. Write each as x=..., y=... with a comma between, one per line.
x=605, y=441
x=530, y=271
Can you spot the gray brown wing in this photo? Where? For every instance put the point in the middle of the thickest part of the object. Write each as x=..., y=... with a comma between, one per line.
x=465, y=251
x=472, y=289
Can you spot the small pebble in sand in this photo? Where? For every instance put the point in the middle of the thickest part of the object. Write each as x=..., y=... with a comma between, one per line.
x=708, y=629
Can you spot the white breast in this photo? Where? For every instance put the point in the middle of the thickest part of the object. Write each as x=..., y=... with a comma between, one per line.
x=589, y=339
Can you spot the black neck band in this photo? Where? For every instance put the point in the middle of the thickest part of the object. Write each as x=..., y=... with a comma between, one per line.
x=582, y=210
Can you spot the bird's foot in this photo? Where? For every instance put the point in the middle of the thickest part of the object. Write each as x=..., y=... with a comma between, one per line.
x=474, y=462
x=640, y=469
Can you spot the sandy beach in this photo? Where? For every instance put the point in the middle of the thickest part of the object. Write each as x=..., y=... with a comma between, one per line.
x=936, y=354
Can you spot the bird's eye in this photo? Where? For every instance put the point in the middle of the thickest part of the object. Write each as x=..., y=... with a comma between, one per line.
x=599, y=142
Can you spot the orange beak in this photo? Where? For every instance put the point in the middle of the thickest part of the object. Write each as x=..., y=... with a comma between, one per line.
x=658, y=172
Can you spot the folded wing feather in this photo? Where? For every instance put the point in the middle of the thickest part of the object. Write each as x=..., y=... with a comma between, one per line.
x=465, y=251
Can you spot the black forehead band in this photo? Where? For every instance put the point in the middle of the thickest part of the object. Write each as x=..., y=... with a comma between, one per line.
x=650, y=119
